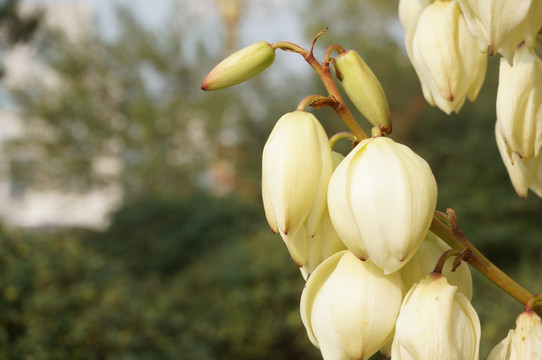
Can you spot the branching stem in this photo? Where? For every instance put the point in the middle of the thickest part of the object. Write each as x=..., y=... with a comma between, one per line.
x=445, y=227
x=324, y=72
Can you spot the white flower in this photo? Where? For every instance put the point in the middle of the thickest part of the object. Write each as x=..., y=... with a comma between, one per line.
x=381, y=200
x=296, y=167
x=325, y=242
x=503, y=24
x=523, y=343
x=525, y=173
x=446, y=56
x=519, y=103
x=436, y=322
x=349, y=307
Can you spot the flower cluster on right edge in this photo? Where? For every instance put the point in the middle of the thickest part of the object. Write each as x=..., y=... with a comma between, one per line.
x=448, y=41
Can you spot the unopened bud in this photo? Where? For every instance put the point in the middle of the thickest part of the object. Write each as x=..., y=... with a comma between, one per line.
x=525, y=342
x=436, y=322
x=240, y=66
x=363, y=88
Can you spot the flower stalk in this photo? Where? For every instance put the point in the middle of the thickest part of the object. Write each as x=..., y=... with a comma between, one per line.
x=445, y=227
x=324, y=72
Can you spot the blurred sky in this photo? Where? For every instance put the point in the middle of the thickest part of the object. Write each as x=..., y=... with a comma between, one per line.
x=273, y=19
x=149, y=12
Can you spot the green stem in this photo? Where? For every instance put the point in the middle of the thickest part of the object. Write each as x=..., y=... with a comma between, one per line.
x=534, y=302
x=341, y=135
x=445, y=227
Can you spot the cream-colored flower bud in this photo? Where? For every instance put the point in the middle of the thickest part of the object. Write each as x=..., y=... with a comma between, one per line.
x=381, y=200
x=525, y=173
x=424, y=261
x=349, y=307
x=436, y=322
x=525, y=342
x=240, y=66
x=296, y=167
x=503, y=24
x=446, y=57
x=519, y=103
x=363, y=88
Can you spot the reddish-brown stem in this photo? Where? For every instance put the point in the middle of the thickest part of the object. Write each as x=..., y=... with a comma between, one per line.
x=324, y=73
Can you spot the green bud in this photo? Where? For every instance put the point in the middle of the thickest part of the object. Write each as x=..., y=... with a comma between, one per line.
x=363, y=88
x=240, y=66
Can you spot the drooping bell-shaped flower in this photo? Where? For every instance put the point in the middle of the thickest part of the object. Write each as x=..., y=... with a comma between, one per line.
x=325, y=242
x=363, y=89
x=349, y=307
x=424, y=261
x=381, y=200
x=519, y=103
x=446, y=56
x=525, y=342
x=524, y=173
x=436, y=322
x=296, y=167
x=240, y=66
x=503, y=24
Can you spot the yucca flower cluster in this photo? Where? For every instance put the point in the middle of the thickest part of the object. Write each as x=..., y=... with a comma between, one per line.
x=380, y=199
x=448, y=41
x=359, y=226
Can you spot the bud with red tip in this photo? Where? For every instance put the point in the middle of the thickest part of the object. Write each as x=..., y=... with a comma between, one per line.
x=240, y=66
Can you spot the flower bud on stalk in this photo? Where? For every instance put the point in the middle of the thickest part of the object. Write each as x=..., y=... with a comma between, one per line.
x=349, y=307
x=503, y=24
x=525, y=342
x=446, y=57
x=424, y=261
x=363, y=88
x=381, y=200
x=436, y=322
x=519, y=103
x=296, y=167
x=240, y=66
x=524, y=174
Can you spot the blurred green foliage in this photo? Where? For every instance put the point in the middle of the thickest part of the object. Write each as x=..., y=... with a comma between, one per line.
x=168, y=286
x=182, y=273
